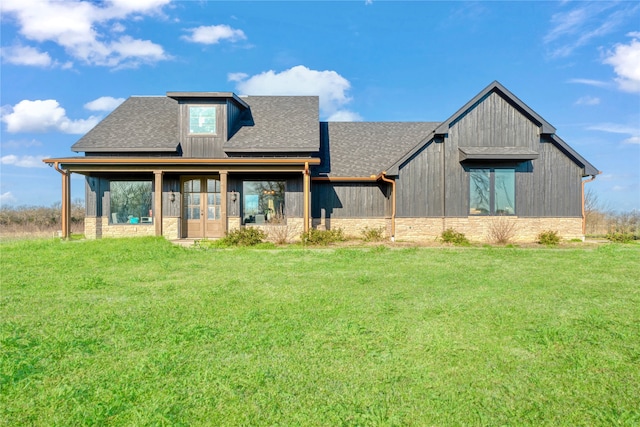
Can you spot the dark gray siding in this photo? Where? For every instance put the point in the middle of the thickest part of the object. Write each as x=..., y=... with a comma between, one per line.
x=349, y=200
x=171, y=184
x=95, y=188
x=494, y=122
x=203, y=146
x=419, y=186
x=233, y=118
x=552, y=187
x=548, y=186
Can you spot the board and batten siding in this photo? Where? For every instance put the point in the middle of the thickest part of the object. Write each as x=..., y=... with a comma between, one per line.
x=419, y=186
x=203, y=146
x=349, y=200
x=94, y=195
x=553, y=187
x=549, y=186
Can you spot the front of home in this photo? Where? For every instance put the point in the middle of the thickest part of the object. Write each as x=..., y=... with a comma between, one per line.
x=200, y=164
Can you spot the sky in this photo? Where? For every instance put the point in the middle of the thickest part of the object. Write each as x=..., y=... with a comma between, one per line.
x=66, y=64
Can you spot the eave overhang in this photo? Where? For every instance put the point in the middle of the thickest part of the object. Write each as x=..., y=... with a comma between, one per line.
x=84, y=165
x=207, y=95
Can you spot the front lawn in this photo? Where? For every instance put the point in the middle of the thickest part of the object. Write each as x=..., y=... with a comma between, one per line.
x=142, y=332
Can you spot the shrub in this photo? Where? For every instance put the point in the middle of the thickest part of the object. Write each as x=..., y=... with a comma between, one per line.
x=620, y=237
x=245, y=236
x=322, y=237
x=373, y=234
x=280, y=233
x=549, y=238
x=452, y=236
x=501, y=230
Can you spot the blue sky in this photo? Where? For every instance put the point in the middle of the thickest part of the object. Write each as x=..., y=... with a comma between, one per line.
x=66, y=65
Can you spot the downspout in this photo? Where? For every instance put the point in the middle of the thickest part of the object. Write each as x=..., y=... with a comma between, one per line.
x=65, y=205
x=306, y=190
x=584, y=215
x=393, y=203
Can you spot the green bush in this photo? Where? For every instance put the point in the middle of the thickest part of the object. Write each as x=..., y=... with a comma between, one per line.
x=549, y=238
x=373, y=234
x=245, y=236
x=322, y=237
x=620, y=237
x=452, y=236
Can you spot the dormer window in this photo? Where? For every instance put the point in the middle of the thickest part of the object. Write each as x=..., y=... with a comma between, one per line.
x=202, y=119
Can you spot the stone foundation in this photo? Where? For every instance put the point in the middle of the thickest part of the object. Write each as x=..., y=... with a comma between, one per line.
x=481, y=229
x=98, y=227
x=475, y=228
x=353, y=227
x=280, y=233
x=171, y=227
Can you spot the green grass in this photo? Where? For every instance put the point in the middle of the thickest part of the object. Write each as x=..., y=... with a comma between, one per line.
x=141, y=332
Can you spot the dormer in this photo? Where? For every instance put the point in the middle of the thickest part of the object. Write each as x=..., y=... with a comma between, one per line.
x=206, y=121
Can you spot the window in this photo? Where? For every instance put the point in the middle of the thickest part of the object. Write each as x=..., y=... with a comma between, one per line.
x=202, y=119
x=492, y=191
x=263, y=202
x=131, y=202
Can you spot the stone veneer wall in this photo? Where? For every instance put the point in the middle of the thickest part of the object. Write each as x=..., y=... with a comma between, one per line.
x=98, y=227
x=290, y=231
x=171, y=227
x=478, y=228
x=353, y=227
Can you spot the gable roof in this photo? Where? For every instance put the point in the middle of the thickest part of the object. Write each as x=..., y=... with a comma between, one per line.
x=139, y=124
x=277, y=124
x=495, y=86
x=362, y=149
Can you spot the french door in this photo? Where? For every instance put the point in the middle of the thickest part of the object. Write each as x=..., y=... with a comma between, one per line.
x=201, y=207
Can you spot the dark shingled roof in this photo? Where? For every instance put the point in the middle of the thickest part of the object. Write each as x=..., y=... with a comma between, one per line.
x=139, y=124
x=277, y=124
x=362, y=149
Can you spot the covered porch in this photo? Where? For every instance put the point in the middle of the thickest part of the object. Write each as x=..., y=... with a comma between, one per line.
x=178, y=197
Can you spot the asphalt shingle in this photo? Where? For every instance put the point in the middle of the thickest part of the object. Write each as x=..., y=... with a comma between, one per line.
x=139, y=124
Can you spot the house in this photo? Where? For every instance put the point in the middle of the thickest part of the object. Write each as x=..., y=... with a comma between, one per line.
x=199, y=164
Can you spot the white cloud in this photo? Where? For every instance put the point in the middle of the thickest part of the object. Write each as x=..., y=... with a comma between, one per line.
x=104, y=103
x=578, y=26
x=330, y=86
x=80, y=27
x=632, y=131
x=43, y=116
x=21, y=143
x=588, y=100
x=7, y=198
x=625, y=60
x=23, y=161
x=237, y=77
x=26, y=55
x=344, y=116
x=589, y=82
x=213, y=34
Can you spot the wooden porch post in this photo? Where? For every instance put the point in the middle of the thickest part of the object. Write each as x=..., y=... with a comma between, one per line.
x=223, y=200
x=66, y=204
x=306, y=189
x=157, y=205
